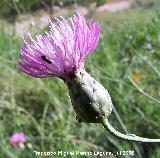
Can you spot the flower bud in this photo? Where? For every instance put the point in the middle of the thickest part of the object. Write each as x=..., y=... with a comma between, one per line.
x=90, y=100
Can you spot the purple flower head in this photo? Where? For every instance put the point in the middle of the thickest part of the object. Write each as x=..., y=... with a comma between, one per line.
x=18, y=138
x=62, y=51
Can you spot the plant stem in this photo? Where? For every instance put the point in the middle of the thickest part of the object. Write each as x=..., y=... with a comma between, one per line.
x=130, y=137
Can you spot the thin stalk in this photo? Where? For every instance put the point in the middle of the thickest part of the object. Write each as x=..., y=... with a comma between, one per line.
x=130, y=137
x=144, y=93
x=16, y=7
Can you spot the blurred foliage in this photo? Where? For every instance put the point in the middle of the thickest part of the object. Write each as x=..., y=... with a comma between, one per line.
x=101, y=2
x=10, y=8
x=150, y=4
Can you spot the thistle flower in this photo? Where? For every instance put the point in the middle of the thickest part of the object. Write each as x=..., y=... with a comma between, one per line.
x=18, y=138
x=61, y=53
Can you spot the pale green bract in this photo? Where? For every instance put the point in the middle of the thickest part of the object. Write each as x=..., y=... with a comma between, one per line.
x=90, y=99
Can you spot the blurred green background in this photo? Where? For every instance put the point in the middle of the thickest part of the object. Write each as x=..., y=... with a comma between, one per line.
x=126, y=62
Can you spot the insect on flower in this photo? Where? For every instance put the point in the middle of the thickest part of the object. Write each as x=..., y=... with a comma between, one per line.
x=44, y=58
x=62, y=53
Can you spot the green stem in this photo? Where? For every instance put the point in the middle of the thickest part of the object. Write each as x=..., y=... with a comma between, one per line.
x=130, y=137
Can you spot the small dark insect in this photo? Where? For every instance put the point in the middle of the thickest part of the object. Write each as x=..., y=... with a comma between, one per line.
x=44, y=58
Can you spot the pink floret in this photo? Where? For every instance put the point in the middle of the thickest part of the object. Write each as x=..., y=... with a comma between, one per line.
x=18, y=138
x=62, y=51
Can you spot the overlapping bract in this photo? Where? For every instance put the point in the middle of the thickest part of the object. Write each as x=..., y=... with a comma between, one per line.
x=62, y=51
